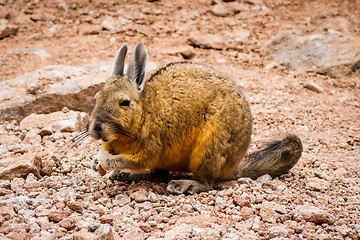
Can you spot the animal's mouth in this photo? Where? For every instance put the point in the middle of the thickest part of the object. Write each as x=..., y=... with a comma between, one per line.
x=103, y=137
x=99, y=135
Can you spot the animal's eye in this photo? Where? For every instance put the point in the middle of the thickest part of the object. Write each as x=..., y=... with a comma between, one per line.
x=124, y=103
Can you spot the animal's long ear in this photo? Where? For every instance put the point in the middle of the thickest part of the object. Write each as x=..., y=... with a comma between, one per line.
x=136, y=69
x=119, y=62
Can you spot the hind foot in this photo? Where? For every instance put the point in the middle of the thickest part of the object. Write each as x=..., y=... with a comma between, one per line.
x=185, y=186
x=151, y=175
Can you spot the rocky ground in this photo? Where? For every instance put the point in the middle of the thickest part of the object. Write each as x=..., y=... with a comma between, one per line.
x=296, y=61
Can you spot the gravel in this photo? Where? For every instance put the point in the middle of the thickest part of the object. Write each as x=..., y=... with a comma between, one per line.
x=77, y=203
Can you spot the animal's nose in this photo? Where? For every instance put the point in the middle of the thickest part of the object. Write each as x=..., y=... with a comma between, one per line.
x=98, y=128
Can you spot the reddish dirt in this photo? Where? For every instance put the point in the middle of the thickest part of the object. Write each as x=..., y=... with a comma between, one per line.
x=327, y=122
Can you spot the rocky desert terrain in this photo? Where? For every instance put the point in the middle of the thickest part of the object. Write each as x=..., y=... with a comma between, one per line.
x=297, y=63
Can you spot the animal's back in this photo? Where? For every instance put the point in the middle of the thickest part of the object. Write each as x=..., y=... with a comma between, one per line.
x=189, y=106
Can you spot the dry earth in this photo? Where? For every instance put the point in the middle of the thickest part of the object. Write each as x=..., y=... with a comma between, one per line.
x=41, y=198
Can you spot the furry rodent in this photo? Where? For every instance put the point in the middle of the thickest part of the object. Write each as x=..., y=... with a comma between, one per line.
x=183, y=117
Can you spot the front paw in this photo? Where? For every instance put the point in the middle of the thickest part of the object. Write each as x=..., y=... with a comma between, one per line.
x=96, y=166
x=95, y=163
x=186, y=186
x=103, y=155
x=98, y=161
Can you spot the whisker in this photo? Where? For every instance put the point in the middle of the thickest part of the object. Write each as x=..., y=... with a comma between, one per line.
x=80, y=135
x=64, y=149
x=75, y=143
x=76, y=138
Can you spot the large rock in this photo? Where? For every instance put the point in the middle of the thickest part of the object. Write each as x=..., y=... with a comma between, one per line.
x=312, y=214
x=30, y=51
x=19, y=168
x=207, y=41
x=105, y=232
x=231, y=40
x=64, y=121
x=114, y=24
x=52, y=88
x=7, y=29
x=270, y=211
x=317, y=184
x=333, y=53
x=223, y=10
x=182, y=231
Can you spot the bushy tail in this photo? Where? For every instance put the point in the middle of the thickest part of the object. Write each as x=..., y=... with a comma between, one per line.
x=277, y=158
